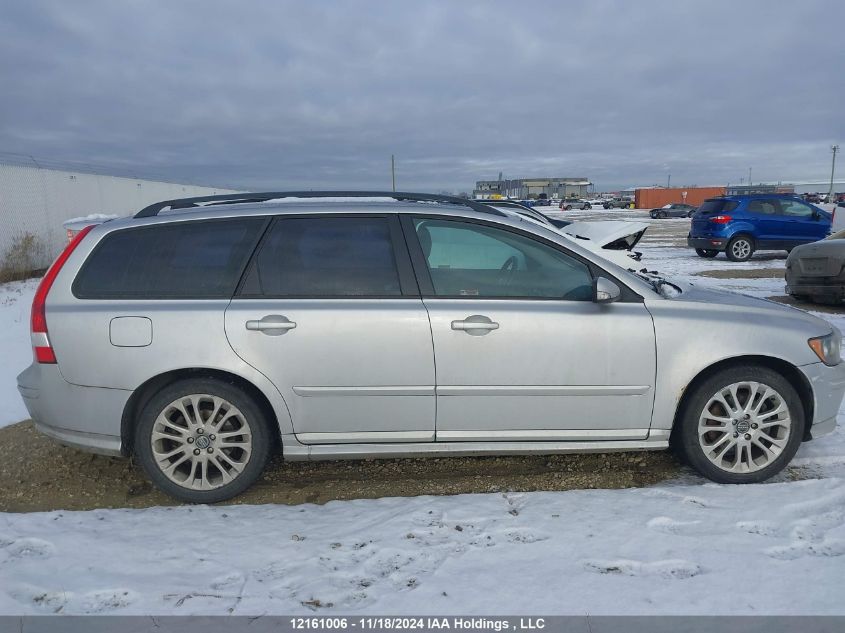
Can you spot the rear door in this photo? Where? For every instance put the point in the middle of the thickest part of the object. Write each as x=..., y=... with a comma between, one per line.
x=522, y=353
x=329, y=311
x=766, y=216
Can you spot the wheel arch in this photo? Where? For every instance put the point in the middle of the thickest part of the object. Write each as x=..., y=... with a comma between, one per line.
x=789, y=371
x=145, y=391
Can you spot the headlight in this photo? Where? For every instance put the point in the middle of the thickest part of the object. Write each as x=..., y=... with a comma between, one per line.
x=827, y=348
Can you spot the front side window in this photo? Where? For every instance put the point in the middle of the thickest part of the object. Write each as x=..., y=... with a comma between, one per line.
x=325, y=257
x=795, y=209
x=473, y=260
x=177, y=260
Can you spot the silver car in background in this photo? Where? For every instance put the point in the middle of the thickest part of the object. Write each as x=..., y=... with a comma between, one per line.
x=203, y=334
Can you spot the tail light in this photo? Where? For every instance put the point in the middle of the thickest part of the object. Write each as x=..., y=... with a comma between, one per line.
x=41, y=348
x=721, y=219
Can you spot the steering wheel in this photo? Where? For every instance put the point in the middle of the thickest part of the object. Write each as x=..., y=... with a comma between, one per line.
x=507, y=270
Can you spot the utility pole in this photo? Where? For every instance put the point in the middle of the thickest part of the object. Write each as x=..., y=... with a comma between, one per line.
x=749, y=180
x=834, y=149
x=393, y=172
x=669, y=181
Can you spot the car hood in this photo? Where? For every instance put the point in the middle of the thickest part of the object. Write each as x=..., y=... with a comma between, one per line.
x=606, y=232
x=823, y=248
x=749, y=306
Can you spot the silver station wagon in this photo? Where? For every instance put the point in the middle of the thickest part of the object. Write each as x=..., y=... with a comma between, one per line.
x=204, y=334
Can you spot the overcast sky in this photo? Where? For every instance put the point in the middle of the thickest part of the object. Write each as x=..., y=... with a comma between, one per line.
x=320, y=94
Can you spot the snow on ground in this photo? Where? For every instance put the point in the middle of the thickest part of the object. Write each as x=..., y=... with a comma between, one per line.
x=682, y=547
x=700, y=549
x=15, y=349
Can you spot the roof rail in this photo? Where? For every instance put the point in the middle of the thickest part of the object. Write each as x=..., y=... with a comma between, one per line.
x=243, y=198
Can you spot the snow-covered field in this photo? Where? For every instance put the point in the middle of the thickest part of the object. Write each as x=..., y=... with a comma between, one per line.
x=682, y=547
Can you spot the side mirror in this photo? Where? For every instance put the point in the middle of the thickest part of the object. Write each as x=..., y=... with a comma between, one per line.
x=605, y=291
x=816, y=215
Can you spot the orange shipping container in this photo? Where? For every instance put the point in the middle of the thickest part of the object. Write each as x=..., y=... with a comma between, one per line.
x=654, y=198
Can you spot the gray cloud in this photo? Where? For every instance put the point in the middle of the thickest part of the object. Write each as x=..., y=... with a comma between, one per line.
x=319, y=94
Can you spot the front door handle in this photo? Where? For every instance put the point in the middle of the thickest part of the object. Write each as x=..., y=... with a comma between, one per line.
x=477, y=324
x=272, y=325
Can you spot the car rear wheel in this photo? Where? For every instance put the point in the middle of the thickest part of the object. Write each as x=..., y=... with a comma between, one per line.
x=741, y=425
x=706, y=253
x=202, y=440
x=740, y=248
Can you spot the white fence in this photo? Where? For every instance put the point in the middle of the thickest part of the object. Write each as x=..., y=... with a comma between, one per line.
x=36, y=201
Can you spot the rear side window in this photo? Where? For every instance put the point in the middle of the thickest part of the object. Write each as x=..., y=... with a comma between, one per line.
x=179, y=260
x=717, y=206
x=325, y=257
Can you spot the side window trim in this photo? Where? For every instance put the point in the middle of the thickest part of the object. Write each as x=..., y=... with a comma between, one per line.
x=424, y=276
x=407, y=281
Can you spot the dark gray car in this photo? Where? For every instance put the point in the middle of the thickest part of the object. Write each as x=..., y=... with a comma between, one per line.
x=674, y=210
x=816, y=272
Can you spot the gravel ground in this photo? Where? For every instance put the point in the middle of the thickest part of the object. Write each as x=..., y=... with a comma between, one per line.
x=40, y=475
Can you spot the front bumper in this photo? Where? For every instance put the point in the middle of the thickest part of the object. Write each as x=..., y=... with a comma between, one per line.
x=707, y=243
x=88, y=418
x=828, y=385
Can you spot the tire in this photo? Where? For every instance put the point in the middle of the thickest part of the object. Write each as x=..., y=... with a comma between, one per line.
x=751, y=463
x=706, y=253
x=740, y=248
x=662, y=215
x=206, y=471
x=567, y=207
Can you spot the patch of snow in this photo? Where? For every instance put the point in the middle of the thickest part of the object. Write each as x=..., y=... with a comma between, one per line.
x=673, y=549
x=15, y=349
x=94, y=217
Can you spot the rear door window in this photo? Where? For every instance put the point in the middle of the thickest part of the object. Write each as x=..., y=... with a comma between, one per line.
x=763, y=207
x=325, y=257
x=178, y=260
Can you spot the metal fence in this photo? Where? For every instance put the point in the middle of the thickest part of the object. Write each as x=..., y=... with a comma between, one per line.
x=35, y=200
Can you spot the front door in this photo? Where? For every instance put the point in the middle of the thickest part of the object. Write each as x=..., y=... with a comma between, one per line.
x=521, y=351
x=803, y=223
x=330, y=313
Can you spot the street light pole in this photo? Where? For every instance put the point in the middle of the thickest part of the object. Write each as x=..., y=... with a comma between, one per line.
x=749, y=180
x=834, y=149
x=393, y=172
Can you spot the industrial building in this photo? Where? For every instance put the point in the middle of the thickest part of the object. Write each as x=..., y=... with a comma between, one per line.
x=532, y=188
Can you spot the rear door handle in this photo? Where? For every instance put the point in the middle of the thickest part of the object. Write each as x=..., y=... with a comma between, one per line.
x=272, y=325
x=476, y=324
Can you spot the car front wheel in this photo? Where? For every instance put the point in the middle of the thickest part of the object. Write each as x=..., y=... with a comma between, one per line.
x=202, y=440
x=741, y=425
x=706, y=253
x=740, y=248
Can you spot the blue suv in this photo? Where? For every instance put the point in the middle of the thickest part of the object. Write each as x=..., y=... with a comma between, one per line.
x=740, y=225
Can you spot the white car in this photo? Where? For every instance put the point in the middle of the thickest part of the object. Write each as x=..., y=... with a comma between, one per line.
x=612, y=239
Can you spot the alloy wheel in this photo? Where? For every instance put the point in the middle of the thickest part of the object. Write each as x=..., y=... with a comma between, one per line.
x=741, y=249
x=744, y=427
x=201, y=442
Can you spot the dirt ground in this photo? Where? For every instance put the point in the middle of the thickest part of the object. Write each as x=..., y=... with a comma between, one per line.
x=39, y=475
